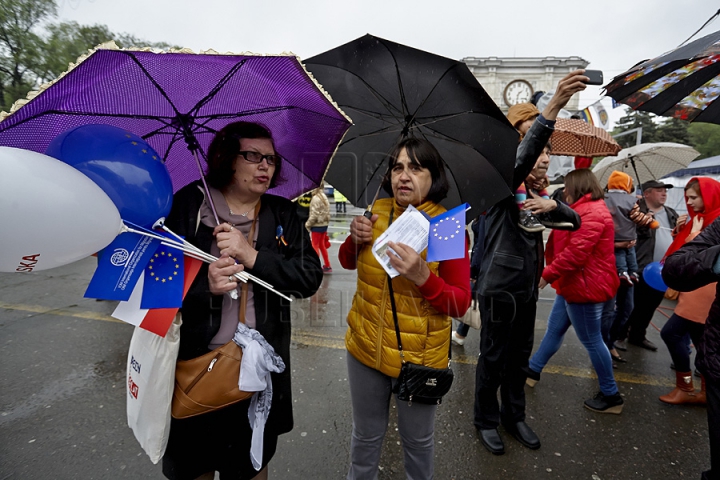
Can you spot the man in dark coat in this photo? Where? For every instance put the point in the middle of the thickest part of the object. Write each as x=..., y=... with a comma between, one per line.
x=695, y=265
x=651, y=247
x=508, y=286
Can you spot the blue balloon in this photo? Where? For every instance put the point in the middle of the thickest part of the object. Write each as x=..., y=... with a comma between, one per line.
x=131, y=173
x=652, y=274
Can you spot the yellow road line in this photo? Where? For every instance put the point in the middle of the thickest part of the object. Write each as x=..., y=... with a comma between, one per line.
x=327, y=340
x=64, y=312
x=314, y=339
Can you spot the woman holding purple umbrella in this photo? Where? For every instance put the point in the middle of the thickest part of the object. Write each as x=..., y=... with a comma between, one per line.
x=258, y=233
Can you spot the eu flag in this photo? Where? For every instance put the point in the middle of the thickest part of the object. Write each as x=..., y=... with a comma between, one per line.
x=120, y=265
x=163, y=286
x=446, y=240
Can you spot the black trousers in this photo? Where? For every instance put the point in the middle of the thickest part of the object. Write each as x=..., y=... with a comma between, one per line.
x=506, y=341
x=647, y=299
x=713, y=413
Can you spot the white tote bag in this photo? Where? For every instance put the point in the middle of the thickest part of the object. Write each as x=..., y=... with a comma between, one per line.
x=150, y=383
x=472, y=316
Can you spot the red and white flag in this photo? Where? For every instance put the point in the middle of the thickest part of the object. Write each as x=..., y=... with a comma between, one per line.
x=156, y=320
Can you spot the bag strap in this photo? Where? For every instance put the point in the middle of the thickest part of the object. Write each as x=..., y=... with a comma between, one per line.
x=244, y=291
x=394, y=311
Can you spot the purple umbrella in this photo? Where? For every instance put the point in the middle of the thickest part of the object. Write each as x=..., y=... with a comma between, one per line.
x=178, y=101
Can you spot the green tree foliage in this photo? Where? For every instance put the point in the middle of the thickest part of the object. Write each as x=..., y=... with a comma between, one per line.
x=33, y=50
x=635, y=119
x=21, y=46
x=673, y=130
x=705, y=137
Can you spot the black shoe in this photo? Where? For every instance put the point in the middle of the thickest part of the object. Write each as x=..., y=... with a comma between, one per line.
x=644, y=343
x=602, y=403
x=618, y=358
x=490, y=438
x=529, y=222
x=524, y=434
x=620, y=345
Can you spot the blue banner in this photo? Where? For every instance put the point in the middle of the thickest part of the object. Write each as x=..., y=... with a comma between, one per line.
x=120, y=265
x=446, y=240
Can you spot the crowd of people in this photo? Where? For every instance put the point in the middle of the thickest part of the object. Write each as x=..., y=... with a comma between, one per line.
x=601, y=239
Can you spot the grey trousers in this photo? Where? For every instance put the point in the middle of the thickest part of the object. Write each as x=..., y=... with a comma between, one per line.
x=370, y=391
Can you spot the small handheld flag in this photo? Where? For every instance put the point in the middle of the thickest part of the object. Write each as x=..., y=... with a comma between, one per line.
x=446, y=240
x=163, y=286
x=120, y=265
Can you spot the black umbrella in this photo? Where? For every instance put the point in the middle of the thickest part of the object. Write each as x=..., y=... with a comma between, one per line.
x=392, y=91
x=683, y=83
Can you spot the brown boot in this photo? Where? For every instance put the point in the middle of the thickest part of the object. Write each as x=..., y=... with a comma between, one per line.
x=684, y=392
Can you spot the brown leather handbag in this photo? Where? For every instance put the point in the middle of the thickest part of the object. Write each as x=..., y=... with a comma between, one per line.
x=210, y=382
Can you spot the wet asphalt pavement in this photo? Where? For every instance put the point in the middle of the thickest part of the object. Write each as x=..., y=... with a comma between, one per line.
x=62, y=406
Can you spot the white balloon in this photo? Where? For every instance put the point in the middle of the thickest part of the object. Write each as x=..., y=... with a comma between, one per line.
x=50, y=213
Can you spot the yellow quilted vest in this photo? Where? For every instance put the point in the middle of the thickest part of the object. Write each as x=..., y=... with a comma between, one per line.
x=371, y=338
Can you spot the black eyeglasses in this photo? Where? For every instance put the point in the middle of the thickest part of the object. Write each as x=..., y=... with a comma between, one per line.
x=256, y=157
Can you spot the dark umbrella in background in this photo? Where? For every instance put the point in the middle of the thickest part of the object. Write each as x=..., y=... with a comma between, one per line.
x=392, y=91
x=683, y=83
x=178, y=101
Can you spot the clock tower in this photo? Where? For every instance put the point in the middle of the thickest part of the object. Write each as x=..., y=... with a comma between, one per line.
x=513, y=80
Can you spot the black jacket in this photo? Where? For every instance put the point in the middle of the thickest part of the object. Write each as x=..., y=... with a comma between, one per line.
x=645, y=247
x=690, y=268
x=293, y=270
x=513, y=258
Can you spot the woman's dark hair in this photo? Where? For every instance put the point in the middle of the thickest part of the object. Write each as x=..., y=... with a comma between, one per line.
x=581, y=182
x=224, y=148
x=424, y=154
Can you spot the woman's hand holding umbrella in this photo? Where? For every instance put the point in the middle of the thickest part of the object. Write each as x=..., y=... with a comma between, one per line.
x=233, y=243
x=221, y=275
x=408, y=263
x=361, y=229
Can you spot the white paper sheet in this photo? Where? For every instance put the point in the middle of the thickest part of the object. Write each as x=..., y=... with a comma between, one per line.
x=411, y=228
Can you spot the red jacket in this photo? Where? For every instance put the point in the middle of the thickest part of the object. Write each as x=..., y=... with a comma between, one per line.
x=581, y=264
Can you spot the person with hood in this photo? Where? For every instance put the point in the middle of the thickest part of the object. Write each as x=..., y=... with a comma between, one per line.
x=626, y=214
x=702, y=196
x=581, y=268
x=692, y=266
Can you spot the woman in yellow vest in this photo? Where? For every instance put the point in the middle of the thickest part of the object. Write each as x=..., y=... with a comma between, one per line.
x=426, y=296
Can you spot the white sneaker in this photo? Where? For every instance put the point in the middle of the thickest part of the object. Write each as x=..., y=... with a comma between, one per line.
x=457, y=339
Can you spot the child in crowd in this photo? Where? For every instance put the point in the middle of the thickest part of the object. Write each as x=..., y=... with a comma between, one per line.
x=626, y=216
x=528, y=221
x=522, y=117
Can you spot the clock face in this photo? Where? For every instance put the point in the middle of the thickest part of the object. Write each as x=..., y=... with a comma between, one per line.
x=517, y=91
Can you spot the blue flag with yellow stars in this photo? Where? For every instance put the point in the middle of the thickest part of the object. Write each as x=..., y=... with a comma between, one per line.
x=446, y=240
x=163, y=286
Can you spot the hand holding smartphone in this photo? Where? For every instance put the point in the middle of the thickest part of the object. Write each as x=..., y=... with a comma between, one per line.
x=595, y=76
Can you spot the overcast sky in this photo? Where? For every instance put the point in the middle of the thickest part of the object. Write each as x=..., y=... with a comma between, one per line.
x=612, y=35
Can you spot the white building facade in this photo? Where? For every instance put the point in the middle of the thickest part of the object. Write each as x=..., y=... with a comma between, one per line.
x=511, y=80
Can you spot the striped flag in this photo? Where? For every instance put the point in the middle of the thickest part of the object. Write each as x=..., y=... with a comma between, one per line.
x=586, y=116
